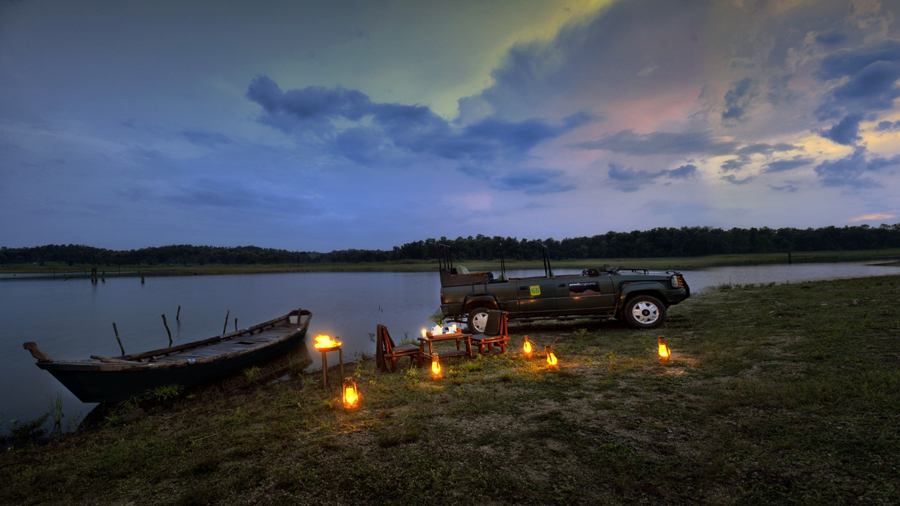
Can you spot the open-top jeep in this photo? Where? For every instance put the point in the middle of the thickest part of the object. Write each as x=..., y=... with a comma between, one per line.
x=638, y=296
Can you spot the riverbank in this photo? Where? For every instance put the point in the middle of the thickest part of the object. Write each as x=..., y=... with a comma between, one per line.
x=775, y=394
x=884, y=255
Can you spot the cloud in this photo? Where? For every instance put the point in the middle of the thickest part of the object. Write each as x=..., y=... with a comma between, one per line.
x=734, y=179
x=870, y=74
x=788, y=188
x=785, y=165
x=887, y=126
x=831, y=39
x=846, y=132
x=873, y=217
x=208, y=139
x=533, y=181
x=738, y=100
x=631, y=180
x=660, y=143
x=848, y=171
x=766, y=149
x=735, y=163
x=364, y=131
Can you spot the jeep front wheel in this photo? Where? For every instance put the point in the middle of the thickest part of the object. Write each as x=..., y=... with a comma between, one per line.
x=644, y=312
x=478, y=318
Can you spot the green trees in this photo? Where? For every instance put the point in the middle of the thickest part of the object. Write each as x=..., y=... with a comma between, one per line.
x=658, y=242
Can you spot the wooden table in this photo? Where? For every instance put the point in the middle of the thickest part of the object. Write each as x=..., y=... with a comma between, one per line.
x=430, y=339
x=325, y=363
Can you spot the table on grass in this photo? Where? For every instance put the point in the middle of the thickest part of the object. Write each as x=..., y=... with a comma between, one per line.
x=430, y=339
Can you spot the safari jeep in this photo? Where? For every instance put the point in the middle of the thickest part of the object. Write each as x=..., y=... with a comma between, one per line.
x=637, y=296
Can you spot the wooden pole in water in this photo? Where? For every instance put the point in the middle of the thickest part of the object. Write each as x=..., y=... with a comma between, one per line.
x=225, y=328
x=178, y=314
x=167, y=329
x=235, y=324
x=116, y=330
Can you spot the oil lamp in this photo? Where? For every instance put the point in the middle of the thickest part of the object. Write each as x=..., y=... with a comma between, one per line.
x=435, y=367
x=551, y=358
x=349, y=394
x=664, y=351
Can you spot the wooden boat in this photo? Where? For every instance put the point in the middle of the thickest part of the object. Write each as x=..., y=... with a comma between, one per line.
x=105, y=379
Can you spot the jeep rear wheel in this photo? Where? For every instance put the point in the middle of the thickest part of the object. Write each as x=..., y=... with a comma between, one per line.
x=644, y=312
x=478, y=318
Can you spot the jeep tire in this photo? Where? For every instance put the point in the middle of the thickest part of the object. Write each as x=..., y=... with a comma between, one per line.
x=478, y=320
x=644, y=312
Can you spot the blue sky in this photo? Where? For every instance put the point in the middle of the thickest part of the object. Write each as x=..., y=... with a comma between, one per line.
x=341, y=124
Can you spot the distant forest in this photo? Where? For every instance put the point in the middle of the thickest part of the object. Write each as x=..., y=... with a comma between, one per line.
x=659, y=242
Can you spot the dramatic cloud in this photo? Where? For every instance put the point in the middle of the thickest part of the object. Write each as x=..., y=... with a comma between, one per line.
x=659, y=143
x=871, y=73
x=738, y=100
x=788, y=188
x=735, y=164
x=873, y=217
x=325, y=113
x=766, y=149
x=536, y=181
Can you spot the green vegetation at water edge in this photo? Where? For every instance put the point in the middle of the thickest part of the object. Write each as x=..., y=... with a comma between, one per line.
x=775, y=394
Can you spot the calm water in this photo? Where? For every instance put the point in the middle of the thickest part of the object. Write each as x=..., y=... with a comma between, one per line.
x=73, y=319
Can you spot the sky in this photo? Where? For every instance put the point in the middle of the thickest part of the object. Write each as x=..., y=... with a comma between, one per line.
x=323, y=125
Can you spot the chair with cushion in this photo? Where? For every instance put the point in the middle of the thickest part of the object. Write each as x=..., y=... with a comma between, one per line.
x=496, y=332
x=387, y=351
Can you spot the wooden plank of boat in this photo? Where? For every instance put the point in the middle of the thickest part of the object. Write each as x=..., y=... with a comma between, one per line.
x=119, y=378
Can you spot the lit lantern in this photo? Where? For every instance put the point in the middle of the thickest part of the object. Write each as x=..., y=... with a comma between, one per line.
x=664, y=352
x=551, y=358
x=527, y=349
x=435, y=367
x=350, y=394
x=325, y=342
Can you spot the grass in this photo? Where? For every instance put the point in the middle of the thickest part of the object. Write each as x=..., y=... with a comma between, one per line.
x=784, y=394
x=491, y=265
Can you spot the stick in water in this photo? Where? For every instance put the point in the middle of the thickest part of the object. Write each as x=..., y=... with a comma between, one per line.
x=225, y=328
x=167, y=329
x=116, y=330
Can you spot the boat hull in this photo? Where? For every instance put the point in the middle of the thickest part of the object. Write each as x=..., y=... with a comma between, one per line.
x=112, y=382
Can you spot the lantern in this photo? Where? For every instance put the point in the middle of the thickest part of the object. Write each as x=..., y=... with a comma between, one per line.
x=664, y=352
x=349, y=394
x=527, y=349
x=325, y=342
x=435, y=367
x=551, y=358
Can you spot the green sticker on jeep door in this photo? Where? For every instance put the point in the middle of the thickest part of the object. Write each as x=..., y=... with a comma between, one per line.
x=535, y=290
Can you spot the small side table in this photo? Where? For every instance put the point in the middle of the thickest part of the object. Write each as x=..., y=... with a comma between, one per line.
x=325, y=362
x=430, y=339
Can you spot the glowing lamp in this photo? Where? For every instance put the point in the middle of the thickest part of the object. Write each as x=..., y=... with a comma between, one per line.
x=664, y=351
x=527, y=349
x=551, y=358
x=349, y=394
x=325, y=342
x=435, y=367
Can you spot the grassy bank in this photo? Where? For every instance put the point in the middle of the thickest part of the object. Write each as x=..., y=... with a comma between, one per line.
x=493, y=265
x=786, y=394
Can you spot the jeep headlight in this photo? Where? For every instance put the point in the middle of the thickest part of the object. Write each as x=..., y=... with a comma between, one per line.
x=674, y=281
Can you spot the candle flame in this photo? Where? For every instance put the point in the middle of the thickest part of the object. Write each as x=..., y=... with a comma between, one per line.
x=323, y=341
x=526, y=348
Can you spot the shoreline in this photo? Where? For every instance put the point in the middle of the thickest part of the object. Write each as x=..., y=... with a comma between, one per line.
x=886, y=257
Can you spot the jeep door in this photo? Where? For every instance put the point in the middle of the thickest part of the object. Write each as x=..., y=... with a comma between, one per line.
x=536, y=295
x=586, y=295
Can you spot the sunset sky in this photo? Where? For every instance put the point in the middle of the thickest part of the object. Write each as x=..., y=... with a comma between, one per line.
x=321, y=125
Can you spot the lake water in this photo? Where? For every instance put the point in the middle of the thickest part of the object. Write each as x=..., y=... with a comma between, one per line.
x=73, y=319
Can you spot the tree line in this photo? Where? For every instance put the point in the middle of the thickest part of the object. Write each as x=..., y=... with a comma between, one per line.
x=658, y=242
